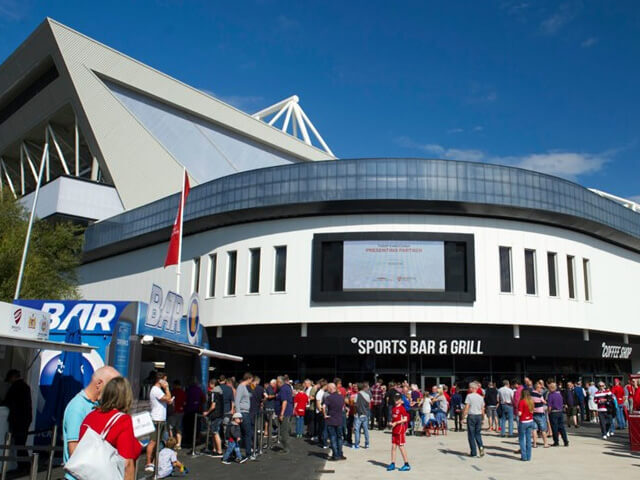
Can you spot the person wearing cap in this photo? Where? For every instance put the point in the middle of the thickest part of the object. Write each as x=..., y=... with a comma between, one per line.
x=234, y=435
x=18, y=401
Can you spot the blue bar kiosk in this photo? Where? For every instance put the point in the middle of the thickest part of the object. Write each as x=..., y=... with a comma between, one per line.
x=133, y=337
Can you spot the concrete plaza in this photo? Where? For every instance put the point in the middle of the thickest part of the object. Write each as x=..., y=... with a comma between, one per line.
x=588, y=456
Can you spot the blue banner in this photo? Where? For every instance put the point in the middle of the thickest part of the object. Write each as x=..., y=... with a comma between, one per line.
x=96, y=317
x=122, y=348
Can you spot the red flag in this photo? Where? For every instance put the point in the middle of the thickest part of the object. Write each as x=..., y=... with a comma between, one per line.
x=173, y=254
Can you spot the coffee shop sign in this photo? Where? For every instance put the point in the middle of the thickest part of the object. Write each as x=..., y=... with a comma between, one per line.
x=616, y=351
x=417, y=346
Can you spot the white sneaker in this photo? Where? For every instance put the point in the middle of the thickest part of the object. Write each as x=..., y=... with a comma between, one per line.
x=611, y=433
x=604, y=437
x=150, y=468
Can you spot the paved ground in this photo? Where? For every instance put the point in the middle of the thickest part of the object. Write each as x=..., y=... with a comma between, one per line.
x=588, y=456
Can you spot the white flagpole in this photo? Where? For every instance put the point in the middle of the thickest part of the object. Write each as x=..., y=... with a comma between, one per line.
x=31, y=216
x=184, y=174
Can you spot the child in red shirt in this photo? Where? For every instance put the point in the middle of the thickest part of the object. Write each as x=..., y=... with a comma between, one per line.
x=399, y=424
x=300, y=402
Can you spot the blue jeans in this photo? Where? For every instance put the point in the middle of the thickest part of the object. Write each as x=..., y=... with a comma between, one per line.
x=247, y=433
x=507, y=416
x=525, y=430
x=557, y=427
x=474, y=433
x=232, y=447
x=300, y=425
x=622, y=422
x=361, y=421
x=335, y=437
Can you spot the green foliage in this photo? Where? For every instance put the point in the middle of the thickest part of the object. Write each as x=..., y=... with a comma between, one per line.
x=54, y=254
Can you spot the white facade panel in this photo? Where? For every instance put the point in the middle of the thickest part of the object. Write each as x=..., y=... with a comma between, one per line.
x=75, y=198
x=614, y=306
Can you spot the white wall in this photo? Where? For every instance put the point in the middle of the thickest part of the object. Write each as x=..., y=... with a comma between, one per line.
x=614, y=271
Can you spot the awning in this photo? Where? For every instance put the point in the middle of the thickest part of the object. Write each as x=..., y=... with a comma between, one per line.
x=203, y=352
x=43, y=344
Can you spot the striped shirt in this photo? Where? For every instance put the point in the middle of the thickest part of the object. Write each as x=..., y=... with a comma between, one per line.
x=538, y=402
x=376, y=394
x=602, y=398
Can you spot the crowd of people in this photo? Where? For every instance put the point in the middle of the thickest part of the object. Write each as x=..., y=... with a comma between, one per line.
x=332, y=415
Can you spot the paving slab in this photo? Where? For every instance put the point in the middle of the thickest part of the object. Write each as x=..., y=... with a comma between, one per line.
x=588, y=456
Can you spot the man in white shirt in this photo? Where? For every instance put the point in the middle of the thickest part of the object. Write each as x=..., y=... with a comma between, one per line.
x=505, y=399
x=159, y=398
x=474, y=413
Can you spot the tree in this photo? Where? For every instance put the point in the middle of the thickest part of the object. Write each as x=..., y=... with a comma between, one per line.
x=54, y=255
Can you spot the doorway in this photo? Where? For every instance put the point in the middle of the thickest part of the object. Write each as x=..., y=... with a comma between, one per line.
x=428, y=381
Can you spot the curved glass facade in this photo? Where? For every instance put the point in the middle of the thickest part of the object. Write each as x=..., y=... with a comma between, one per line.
x=371, y=179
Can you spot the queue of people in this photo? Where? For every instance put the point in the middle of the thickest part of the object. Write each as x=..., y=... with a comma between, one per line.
x=332, y=415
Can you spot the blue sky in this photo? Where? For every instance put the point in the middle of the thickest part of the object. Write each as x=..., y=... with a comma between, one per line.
x=552, y=86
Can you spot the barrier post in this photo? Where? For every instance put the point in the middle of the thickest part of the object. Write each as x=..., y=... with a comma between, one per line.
x=7, y=452
x=195, y=432
x=54, y=439
x=269, y=428
x=254, y=440
x=34, y=466
x=206, y=435
x=157, y=452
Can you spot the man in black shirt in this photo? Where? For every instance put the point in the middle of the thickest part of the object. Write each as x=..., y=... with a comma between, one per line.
x=18, y=400
x=491, y=402
x=389, y=402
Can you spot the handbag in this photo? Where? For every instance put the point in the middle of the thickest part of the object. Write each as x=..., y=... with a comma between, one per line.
x=94, y=458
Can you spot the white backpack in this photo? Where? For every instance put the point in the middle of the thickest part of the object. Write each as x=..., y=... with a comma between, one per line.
x=94, y=458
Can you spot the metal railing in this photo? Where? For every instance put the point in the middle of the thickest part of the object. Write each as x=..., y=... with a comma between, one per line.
x=262, y=439
x=33, y=459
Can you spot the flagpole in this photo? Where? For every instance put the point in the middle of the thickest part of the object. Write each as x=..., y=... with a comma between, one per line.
x=184, y=175
x=29, y=227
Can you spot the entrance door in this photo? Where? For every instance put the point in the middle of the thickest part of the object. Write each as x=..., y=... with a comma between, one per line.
x=428, y=381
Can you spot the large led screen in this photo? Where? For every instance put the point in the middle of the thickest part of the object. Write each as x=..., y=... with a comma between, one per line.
x=393, y=265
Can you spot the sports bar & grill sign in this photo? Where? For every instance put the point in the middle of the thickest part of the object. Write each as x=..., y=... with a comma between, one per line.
x=415, y=346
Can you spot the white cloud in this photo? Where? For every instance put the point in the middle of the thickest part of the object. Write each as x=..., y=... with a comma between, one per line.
x=478, y=128
x=554, y=23
x=563, y=164
x=569, y=165
x=455, y=130
x=589, y=42
x=12, y=10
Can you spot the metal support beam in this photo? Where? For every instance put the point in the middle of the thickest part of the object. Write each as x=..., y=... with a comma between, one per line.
x=65, y=167
x=287, y=118
x=315, y=132
x=3, y=167
x=94, y=169
x=47, y=155
x=27, y=155
x=300, y=121
x=21, y=174
x=77, y=145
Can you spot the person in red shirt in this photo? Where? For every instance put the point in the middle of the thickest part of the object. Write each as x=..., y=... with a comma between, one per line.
x=300, y=401
x=636, y=395
x=116, y=398
x=621, y=411
x=525, y=425
x=399, y=424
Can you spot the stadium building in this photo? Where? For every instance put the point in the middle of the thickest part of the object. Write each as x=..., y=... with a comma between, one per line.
x=435, y=270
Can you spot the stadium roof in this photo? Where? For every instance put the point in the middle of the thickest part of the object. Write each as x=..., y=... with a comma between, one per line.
x=112, y=119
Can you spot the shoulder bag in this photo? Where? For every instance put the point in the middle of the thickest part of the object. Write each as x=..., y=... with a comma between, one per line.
x=94, y=458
